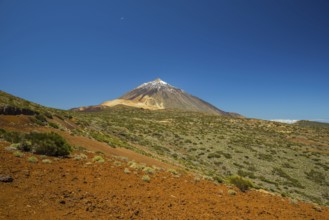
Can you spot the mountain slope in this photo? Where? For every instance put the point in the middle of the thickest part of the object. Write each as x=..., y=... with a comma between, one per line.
x=11, y=105
x=157, y=95
x=84, y=189
x=314, y=124
x=285, y=159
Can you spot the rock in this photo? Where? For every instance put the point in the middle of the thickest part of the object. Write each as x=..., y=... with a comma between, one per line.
x=136, y=212
x=6, y=179
x=62, y=202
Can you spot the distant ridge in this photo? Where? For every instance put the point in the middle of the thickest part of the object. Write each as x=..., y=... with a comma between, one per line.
x=158, y=94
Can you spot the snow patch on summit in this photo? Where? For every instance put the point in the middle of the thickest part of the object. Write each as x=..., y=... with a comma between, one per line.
x=157, y=84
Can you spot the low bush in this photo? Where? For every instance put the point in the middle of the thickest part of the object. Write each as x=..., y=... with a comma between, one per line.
x=240, y=182
x=48, y=115
x=80, y=157
x=231, y=192
x=290, y=180
x=126, y=170
x=32, y=159
x=98, y=159
x=316, y=177
x=136, y=166
x=54, y=125
x=117, y=163
x=50, y=144
x=174, y=172
x=246, y=174
x=146, y=178
x=18, y=154
x=218, y=179
x=40, y=119
x=12, y=136
x=148, y=170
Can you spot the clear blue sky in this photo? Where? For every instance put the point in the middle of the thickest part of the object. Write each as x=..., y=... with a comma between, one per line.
x=264, y=59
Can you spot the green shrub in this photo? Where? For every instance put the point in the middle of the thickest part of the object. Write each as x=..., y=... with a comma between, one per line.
x=40, y=119
x=50, y=144
x=290, y=180
x=80, y=148
x=148, y=170
x=266, y=157
x=240, y=182
x=48, y=115
x=54, y=125
x=231, y=192
x=98, y=159
x=246, y=174
x=173, y=171
x=117, y=163
x=12, y=147
x=80, y=157
x=126, y=170
x=2, y=132
x=262, y=178
x=13, y=137
x=18, y=154
x=214, y=155
x=217, y=179
x=136, y=166
x=316, y=177
x=146, y=178
x=32, y=159
x=25, y=145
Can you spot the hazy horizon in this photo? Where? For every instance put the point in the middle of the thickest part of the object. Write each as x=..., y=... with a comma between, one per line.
x=267, y=60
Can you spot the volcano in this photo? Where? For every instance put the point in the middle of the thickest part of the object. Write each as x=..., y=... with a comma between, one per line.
x=158, y=94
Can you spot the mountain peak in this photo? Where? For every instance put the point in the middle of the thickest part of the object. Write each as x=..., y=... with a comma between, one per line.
x=158, y=80
x=157, y=83
x=158, y=94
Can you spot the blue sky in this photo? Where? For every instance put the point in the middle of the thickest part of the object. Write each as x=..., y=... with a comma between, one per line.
x=263, y=59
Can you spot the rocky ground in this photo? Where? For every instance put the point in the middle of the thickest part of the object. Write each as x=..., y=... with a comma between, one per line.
x=69, y=188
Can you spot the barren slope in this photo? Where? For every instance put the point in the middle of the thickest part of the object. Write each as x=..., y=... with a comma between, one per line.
x=70, y=189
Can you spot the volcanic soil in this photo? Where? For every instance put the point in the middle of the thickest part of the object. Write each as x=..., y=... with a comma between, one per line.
x=68, y=188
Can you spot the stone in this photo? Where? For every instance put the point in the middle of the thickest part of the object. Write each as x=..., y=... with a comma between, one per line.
x=6, y=179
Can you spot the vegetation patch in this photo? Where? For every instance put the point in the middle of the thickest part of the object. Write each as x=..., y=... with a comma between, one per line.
x=18, y=154
x=246, y=174
x=32, y=159
x=240, y=182
x=317, y=177
x=98, y=159
x=50, y=144
x=146, y=178
x=126, y=171
x=148, y=170
x=290, y=180
x=80, y=156
x=173, y=171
